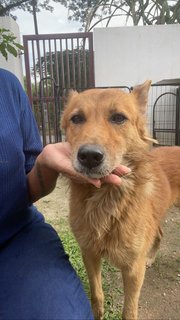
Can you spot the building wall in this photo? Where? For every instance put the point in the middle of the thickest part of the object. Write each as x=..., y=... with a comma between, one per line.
x=13, y=64
x=130, y=55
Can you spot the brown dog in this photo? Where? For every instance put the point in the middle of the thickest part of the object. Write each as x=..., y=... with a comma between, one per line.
x=106, y=127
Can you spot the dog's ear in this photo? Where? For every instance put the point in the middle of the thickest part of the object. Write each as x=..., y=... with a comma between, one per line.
x=71, y=94
x=141, y=94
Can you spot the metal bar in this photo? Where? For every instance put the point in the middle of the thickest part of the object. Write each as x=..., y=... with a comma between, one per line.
x=27, y=68
x=171, y=84
x=62, y=65
x=165, y=130
x=58, y=136
x=84, y=66
x=34, y=68
x=91, y=61
x=67, y=66
x=56, y=61
x=177, y=138
x=42, y=113
x=51, y=63
x=45, y=75
x=73, y=64
x=78, y=65
x=59, y=36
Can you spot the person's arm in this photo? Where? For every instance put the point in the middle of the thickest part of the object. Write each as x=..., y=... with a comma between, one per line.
x=41, y=181
x=55, y=159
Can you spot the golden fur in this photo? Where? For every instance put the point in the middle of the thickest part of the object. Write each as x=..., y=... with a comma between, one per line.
x=120, y=223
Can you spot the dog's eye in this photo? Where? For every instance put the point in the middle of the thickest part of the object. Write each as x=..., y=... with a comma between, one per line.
x=117, y=118
x=77, y=118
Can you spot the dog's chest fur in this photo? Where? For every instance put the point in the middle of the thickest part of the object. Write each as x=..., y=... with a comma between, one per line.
x=108, y=220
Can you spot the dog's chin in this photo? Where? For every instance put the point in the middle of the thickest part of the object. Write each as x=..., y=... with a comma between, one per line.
x=92, y=173
x=95, y=175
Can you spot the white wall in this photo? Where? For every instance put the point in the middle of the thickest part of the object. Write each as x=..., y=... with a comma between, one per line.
x=130, y=55
x=13, y=64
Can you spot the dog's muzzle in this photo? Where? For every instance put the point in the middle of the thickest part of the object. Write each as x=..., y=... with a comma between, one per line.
x=90, y=156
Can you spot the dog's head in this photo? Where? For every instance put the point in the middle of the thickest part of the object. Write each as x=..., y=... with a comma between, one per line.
x=103, y=126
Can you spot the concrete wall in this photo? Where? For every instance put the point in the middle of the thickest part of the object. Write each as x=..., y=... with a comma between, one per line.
x=13, y=64
x=130, y=55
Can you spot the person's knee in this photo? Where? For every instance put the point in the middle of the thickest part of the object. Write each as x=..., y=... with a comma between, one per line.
x=40, y=281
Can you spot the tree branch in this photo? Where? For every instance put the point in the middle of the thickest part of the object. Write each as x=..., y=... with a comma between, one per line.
x=3, y=10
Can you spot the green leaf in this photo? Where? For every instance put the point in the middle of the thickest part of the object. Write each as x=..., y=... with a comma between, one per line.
x=8, y=37
x=3, y=50
x=8, y=43
x=11, y=50
x=2, y=30
x=18, y=45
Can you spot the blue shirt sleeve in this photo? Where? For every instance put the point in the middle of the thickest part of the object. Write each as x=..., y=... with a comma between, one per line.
x=32, y=144
x=20, y=144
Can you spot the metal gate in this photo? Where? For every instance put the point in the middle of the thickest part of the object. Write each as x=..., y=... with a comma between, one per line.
x=56, y=63
x=166, y=117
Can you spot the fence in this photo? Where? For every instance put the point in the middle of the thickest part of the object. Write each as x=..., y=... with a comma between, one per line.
x=164, y=112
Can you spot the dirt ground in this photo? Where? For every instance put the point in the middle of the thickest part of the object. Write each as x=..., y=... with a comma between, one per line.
x=160, y=295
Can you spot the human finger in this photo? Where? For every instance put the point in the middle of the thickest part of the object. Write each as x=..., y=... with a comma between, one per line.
x=112, y=179
x=121, y=170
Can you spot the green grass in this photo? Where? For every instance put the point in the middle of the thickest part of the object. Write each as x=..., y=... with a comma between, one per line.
x=110, y=275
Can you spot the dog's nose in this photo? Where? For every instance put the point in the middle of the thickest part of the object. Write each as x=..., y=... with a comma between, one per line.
x=90, y=156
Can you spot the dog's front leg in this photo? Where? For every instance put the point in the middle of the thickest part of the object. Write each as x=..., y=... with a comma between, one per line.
x=93, y=267
x=133, y=280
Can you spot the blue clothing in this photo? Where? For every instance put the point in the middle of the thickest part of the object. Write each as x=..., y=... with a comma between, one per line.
x=37, y=280
x=19, y=146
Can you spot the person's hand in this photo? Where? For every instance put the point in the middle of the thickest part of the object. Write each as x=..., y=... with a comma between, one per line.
x=58, y=157
x=55, y=159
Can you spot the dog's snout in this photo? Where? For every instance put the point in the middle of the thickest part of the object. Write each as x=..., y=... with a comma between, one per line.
x=90, y=156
